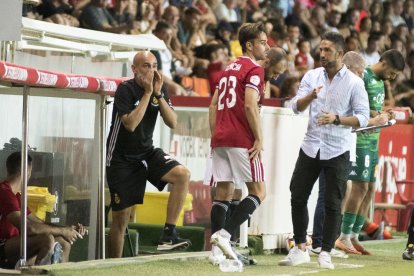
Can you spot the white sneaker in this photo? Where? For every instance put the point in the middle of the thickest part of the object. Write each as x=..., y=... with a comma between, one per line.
x=324, y=260
x=334, y=253
x=338, y=254
x=314, y=251
x=222, y=239
x=216, y=256
x=295, y=257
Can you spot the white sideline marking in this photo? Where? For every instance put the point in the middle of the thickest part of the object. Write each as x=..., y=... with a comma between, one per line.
x=317, y=270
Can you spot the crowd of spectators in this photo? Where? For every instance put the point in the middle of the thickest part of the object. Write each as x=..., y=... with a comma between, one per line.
x=201, y=35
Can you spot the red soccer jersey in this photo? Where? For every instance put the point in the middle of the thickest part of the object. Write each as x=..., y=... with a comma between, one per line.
x=232, y=128
x=9, y=202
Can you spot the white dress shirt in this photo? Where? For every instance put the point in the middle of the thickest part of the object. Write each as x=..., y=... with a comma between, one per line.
x=345, y=96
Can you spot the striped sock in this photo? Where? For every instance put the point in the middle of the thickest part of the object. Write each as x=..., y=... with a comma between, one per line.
x=218, y=215
x=242, y=212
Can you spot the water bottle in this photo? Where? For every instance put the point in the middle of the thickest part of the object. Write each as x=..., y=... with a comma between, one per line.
x=381, y=230
x=231, y=266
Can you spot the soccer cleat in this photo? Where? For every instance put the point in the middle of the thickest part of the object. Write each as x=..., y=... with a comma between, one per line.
x=216, y=259
x=408, y=253
x=216, y=256
x=334, y=253
x=324, y=260
x=222, y=239
x=350, y=249
x=295, y=257
x=172, y=242
x=359, y=247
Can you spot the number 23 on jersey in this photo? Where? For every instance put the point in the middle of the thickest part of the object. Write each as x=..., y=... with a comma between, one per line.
x=228, y=99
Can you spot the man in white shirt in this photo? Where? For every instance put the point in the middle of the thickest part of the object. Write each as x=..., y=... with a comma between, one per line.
x=337, y=102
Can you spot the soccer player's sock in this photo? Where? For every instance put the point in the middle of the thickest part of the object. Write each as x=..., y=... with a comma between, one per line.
x=348, y=222
x=242, y=212
x=356, y=229
x=233, y=205
x=168, y=229
x=218, y=215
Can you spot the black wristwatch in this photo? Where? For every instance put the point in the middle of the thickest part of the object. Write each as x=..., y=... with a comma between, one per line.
x=159, y=96
x=337, y=122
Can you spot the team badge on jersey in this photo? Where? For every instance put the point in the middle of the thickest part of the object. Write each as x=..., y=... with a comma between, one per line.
x=154, y=101
x=255, y=80
x=117, y=199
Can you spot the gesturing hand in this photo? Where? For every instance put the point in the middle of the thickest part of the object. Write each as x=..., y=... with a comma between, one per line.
x=315, y=92
x=147, y=81
x=158, y=81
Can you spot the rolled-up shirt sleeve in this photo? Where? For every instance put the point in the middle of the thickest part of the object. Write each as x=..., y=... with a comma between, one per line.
x=360, y=103
x=303, y=90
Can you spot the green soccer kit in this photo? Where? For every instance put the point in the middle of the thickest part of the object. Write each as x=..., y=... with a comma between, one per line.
x=364, y=168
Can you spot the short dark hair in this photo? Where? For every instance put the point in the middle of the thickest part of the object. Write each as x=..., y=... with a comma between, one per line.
x=394, y=59
x=302, y=41
x=211, y=48
x=249, y=31
x=14, y=163
x=374, y=36
x=190, y=11
x=161, y=25
x=336, y=38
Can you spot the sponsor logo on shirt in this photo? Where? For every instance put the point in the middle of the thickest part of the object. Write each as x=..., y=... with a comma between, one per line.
x=255, y=80
x=154, y=101
x=117, y=199
x=353, y=173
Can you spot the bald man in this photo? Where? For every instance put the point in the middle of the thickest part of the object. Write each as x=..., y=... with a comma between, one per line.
x=132, y=158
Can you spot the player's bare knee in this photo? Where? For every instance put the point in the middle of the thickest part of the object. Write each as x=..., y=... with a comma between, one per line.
x=120, y=219
x=181, y=176
x=223, y=193
x=47, y=240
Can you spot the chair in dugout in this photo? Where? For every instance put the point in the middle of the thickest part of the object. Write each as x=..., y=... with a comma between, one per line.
x=403, y=208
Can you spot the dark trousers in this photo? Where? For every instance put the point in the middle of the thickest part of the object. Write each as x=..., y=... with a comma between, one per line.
x=306, y=172
x=319, y=216
x=410, y=230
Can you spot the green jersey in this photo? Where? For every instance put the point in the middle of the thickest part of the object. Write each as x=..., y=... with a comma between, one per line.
x=376, y=94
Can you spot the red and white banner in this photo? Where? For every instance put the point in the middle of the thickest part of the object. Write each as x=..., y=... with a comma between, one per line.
x=30, y=76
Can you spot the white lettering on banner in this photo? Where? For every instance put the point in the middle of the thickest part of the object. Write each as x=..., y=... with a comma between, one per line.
x=400, y=115
x=189, y=147
x=16, y=73
x=106, y=85
x=77, y=82
x=391, y=189
x=192, y=152
x=47, y=79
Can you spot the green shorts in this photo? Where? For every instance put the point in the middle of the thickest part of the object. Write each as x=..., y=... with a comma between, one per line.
x=365, y=167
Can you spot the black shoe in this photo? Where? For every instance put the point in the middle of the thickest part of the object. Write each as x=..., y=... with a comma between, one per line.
x=172, y=242
x=408, y=253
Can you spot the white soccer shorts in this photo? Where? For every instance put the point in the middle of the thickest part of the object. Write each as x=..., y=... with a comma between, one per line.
x=234, y=164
